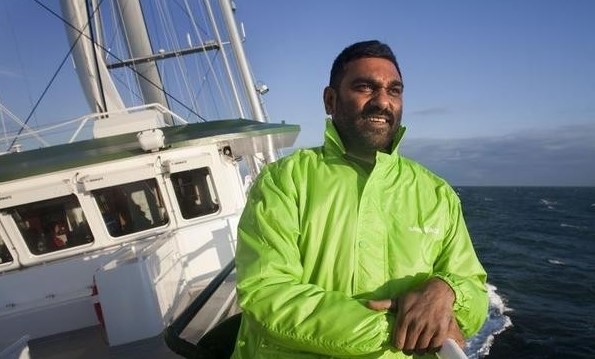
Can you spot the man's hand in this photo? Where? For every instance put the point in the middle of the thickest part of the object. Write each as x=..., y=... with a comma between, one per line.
x=424, y=318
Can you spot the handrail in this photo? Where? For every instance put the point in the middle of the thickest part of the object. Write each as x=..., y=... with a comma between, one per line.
x=172, y=333
x=82, y=121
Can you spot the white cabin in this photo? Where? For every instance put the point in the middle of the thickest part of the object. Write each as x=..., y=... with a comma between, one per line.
x=101, y=232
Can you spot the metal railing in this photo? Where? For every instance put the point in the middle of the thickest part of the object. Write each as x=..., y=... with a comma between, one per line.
x=216, y=343
x=38, y=133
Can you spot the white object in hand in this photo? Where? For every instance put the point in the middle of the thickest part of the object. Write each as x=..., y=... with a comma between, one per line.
x=451, y=350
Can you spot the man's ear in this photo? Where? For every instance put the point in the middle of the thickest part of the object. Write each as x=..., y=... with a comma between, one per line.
x=330, y=97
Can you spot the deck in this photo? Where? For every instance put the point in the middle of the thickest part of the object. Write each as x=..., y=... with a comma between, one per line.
x=90, y=343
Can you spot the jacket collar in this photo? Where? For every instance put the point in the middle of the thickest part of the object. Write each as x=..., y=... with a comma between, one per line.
x=333, y=143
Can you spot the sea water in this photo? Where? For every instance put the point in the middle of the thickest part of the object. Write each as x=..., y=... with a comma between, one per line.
x=538, y=247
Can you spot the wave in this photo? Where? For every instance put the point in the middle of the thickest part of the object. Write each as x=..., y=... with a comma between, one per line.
x=479, y=345
x=549, y=204
x=565, y=225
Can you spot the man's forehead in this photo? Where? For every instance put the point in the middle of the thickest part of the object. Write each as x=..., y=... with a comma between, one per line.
x=372, y=67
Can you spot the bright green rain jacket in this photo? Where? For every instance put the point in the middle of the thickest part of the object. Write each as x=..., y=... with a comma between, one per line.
x=319, y=237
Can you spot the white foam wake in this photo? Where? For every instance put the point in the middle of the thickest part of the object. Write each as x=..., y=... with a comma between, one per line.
x=497, y=321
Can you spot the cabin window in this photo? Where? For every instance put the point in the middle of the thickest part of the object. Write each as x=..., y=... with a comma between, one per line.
x=195, y=192
x=5, y=256
x=131, y=207
x=52, y=225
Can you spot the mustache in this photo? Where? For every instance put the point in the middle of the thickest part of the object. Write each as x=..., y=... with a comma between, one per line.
x=373, y=111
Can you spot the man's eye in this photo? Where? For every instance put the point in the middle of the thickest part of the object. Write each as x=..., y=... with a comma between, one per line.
x=364, y=88
x=395, y=91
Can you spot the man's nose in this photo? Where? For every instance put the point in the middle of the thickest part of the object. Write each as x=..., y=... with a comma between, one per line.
x=382, y=99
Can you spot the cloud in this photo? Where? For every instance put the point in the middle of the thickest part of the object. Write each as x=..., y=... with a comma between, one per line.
x=564, y=156
x=430, y=111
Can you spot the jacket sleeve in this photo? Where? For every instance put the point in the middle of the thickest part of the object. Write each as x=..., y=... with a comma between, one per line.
x=459, y=266
x=288, y=312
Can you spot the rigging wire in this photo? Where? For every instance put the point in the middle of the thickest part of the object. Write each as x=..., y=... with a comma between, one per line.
x=134, y=96
x=189, y=15
x=51, y=80
x=234, y=90
x=167, y=23
x=121, y=60
x=22, y=67
x=207, y=9
x=211, y=70
x=126, y=40
x=199, y=66
x=198, y=30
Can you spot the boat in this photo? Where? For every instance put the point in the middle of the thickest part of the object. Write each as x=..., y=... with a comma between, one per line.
x=119, y=241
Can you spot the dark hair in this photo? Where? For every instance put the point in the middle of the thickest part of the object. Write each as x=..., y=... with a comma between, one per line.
x=359, y=50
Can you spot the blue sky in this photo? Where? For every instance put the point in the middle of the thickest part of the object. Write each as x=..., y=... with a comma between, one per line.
x=496, y=92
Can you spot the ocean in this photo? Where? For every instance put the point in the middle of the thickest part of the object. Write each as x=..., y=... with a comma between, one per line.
x=538, y=247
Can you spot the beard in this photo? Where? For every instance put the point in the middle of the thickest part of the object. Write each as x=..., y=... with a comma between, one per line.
x=362, y=136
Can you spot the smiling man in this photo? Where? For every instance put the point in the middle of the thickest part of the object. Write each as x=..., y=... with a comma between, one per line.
x=349, y=249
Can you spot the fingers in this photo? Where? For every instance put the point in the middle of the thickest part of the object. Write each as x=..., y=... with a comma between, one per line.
x=417, y=331
x=422, y=346
x=419, y=340
x=400, y=330
x=424, y=316
x=420, y=337
x=379, y=305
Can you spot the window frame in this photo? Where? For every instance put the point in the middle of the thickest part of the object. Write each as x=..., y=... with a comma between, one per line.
x=40, y=225
x=130, y=203
x=209, y=184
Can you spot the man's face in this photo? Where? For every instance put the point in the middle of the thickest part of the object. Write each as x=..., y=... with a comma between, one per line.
x=367, y=106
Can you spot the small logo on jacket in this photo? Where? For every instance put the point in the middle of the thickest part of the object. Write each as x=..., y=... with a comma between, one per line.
x=424, y=230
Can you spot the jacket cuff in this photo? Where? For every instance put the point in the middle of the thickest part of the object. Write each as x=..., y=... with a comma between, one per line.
x=461, y=300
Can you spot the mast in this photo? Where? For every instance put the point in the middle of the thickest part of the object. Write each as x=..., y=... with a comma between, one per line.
x=135, y=29
x=91, y=70
x=245, y=74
